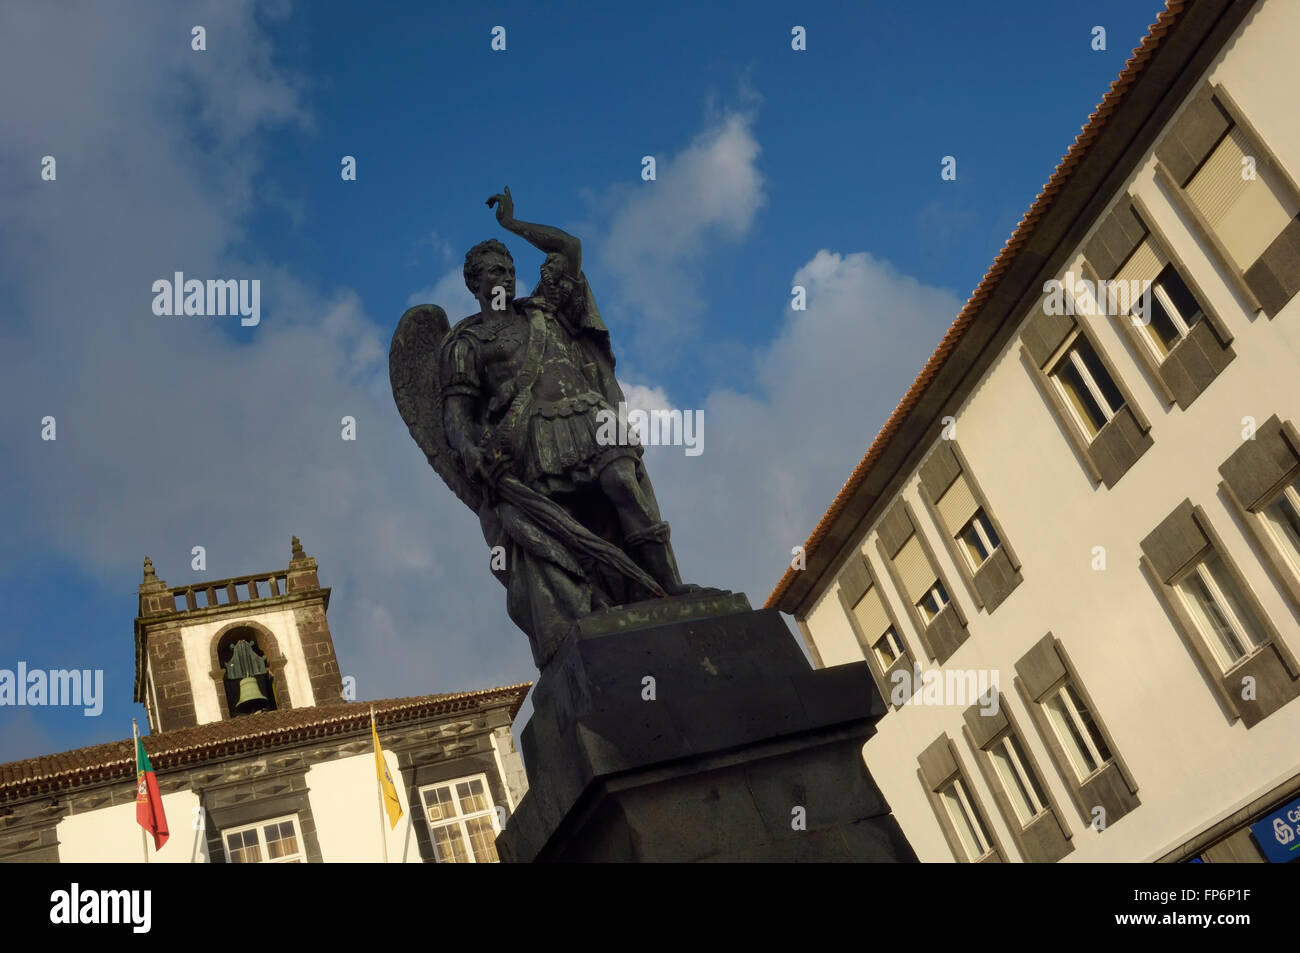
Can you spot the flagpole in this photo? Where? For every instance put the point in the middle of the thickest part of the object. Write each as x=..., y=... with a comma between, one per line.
x=135, y=735
x=379, y=790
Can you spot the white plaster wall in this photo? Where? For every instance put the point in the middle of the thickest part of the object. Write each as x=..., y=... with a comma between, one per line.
x=112, y=835
x=197, y=642
x=1191, y=766
x=831, y=631
x=345, y=804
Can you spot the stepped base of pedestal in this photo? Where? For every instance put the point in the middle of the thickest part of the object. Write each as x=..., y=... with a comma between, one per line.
x=693, y=729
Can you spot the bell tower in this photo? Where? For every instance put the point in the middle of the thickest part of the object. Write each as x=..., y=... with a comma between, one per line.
x=233, y=648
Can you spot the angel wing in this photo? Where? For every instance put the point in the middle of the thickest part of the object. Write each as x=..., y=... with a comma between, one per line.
x=413, y=372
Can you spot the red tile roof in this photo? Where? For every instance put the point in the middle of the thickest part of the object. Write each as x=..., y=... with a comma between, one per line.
x=1096, y=122
x=116, y=759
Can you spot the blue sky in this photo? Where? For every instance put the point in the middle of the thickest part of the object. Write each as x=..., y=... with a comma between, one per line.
x=774, y=168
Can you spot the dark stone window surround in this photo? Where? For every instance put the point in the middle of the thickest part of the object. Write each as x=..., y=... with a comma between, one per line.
x=297, y=802
x=946, y=632
x=855, y=581
x=1214, y=340
x=1285, y=441
x=1046, y=838
x=1174, y=174
x=982, y=581
x=29, y=832
x=1039, y=673
x=938, y=764
x=1136, y=438
x=1271, y=663
x=415, y=777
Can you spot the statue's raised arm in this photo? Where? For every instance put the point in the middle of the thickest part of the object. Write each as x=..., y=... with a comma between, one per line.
x=547, y=238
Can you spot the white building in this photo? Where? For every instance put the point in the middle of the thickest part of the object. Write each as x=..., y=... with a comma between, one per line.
x=1096, y=513
x=274, y=766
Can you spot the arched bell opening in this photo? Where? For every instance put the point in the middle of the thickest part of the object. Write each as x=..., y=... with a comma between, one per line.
x=246, y=674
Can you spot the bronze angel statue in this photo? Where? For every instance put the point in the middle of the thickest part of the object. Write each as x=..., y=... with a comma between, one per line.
x=508, y=407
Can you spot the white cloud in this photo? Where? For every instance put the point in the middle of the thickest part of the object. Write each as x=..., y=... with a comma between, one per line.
x=658, y=231
x=774, y=461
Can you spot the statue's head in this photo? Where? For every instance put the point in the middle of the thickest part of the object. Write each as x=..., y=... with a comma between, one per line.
x=487, y=265
x=556, y=285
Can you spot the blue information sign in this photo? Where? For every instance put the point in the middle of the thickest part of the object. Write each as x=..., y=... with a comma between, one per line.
x=1279, y=833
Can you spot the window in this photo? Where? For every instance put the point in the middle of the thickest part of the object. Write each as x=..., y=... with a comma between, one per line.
x=1245, y=211
x=1222, y=621
x=1018, y=779
x=1283, y=515
x=955, y=806
x=979, y=539
x=1219, y=610
x=1076, y=731
x=266, y=842
x=1156, y=305
x=940, y=622
x=1083, y=751
x=1007, y=766
x=1088, y=389
x=933, y=601
x=1226, y=180
x=888, y=649
x=874, y=625
x=1174, y=312
x=461, y=820
x=1071, y=371
x=1261, y=482
x=967, y=824
x=973, y=537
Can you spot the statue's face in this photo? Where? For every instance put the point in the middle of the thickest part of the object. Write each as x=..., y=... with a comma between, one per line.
x=497, y=272
x=557, y=286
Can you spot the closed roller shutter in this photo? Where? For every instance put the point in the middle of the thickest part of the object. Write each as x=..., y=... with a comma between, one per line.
x=871, y=615
x=914, y=569
x=958, y=505
x=1144, y=264
x=1246, y=214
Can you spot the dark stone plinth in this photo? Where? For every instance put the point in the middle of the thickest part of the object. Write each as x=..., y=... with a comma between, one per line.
x=740, y=733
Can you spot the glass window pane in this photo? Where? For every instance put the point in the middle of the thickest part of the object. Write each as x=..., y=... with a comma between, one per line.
x=1171, y=282
x=1099, y=375
x=975, y=549
x=1160, y=329
x=990, y=534
x=451, y=844
x=961, y=821
x=1027, y=771
x=242, y=847
x=1094, y=733
x=473, y=798
x=1284, y=515
x=1016, y=791
x=438, y=803
x=885, y=650
x=1211, y=619
x=1080, y=757
x=482, y=838
x=1071, y=382
x=281, y=840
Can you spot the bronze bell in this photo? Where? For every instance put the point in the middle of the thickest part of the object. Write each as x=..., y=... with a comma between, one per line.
x=250, y=696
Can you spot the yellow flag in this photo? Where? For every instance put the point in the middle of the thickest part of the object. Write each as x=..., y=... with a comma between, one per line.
x=391, y=804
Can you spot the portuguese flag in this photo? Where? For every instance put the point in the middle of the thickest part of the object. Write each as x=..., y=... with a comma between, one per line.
x=148, y=799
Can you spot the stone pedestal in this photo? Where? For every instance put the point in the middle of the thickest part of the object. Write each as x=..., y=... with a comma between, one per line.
x=693, y=729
